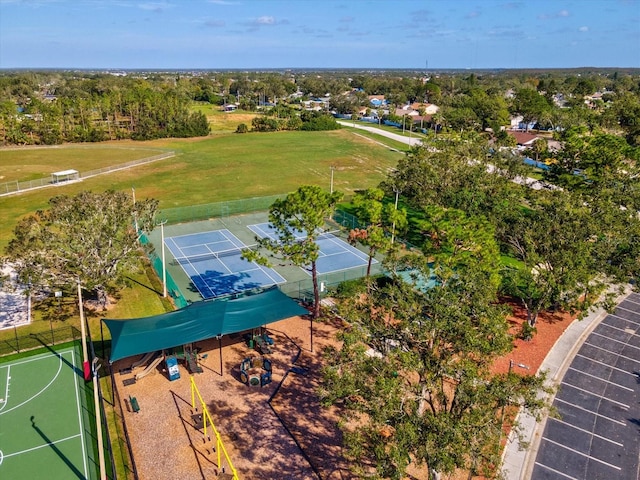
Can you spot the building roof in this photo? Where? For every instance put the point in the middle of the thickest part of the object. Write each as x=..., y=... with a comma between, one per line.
x=523, y=138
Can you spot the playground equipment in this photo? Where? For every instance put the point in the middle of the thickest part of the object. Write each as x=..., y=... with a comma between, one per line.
x=202, y=419
x=145, y=359
x=191, y=357
x=150, y=368
x=261, y=341
x=256, y=371
x=172, y=368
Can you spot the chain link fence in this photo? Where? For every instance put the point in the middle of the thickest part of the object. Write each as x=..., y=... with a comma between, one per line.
x=54, y=336
x=216, y=210
x=17, y=187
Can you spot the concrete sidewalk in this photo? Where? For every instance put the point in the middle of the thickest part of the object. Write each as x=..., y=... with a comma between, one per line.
x=517, y=463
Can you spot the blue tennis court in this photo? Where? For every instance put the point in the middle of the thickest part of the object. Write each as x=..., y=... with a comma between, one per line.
x=212, y=260
x=335, y=253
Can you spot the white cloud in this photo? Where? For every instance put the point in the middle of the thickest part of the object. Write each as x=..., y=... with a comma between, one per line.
x=265, y=20
x=583, y=29
x=154, y=6
x=560, y=14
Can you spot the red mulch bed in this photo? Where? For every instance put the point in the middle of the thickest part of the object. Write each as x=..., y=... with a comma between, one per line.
x=549, y=326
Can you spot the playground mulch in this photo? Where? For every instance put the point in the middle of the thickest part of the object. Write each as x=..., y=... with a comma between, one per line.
x=166, y=443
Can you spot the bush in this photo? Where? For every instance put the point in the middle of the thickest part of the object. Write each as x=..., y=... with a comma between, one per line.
x=242, y=128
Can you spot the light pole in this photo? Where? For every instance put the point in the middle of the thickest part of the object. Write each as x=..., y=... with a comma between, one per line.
x=164, y=268
x=133, y=192
x=511, y=365
x=393, y=228
x=96, y=378
x=332, y=169
x=83, y=334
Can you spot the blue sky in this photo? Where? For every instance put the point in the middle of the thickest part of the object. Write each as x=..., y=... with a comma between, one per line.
x=236, y=34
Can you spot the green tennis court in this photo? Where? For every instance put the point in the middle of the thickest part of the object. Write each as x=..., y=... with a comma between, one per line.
x=45, y=427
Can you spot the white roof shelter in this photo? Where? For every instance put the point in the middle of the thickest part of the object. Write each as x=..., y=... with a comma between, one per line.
x=64, y=176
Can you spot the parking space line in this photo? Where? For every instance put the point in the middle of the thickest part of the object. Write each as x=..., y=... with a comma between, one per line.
x=601, y=379
x=613, y=353
x=627, y=319
x=605, y=364
x=587, y=431
x=555, y=471
x=596, y=395
x=591, y=412
x=625, y=330
x=614, y=340
x=582, y=454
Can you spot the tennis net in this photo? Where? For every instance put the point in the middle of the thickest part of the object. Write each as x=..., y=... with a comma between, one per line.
x=209, y=256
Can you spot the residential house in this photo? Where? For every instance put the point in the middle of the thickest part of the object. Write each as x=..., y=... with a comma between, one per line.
x=523, y=139
x=377, y=101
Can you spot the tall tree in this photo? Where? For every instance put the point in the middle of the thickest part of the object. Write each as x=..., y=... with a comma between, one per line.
x=383, y=222
x=298, y=221
x=90, y=238
x=412, y=376
x=556, y=241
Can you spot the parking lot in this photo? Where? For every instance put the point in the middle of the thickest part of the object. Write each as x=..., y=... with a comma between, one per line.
x=597, y=433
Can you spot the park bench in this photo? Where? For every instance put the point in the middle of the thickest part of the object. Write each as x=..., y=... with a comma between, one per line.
x=135, y=406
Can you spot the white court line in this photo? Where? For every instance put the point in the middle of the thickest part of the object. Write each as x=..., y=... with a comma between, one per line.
x=601, y=379
x=587, y=431
x=595, y=395
x=42, y=446
x=555, y=471
x=582, y=454
x=84, y=453
x=558, y=399
x=611, y=352
x=259, y=231
x=605, y=364
x=44, y=388
x=6, y=393
x=235, y=241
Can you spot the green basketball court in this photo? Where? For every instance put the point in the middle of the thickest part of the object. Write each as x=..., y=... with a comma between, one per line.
x=45, y=417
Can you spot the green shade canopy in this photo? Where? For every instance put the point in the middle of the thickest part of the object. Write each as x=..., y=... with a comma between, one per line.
x=199, y=321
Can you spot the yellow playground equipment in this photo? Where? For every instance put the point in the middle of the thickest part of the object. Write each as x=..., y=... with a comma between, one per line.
x=201, y=419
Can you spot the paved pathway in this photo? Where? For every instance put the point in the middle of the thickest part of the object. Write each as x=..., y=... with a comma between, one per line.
x=528, y=181
x=596, y=363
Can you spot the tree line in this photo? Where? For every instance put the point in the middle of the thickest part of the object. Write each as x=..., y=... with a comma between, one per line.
x=81, y=110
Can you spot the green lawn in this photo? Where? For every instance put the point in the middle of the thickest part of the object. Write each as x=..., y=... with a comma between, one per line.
x=212, y=169
x=34, y=163
x=224, y=167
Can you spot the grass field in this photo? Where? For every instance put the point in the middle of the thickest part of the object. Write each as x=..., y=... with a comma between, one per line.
x=45, y=416
x=35, y=163
x=224, y=167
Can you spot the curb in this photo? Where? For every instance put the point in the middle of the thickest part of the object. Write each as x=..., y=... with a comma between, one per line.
x=517, y=462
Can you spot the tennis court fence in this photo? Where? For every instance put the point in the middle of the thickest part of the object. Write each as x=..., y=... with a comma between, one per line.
x=218, y=209
x=172, y=287
x=53, y=336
